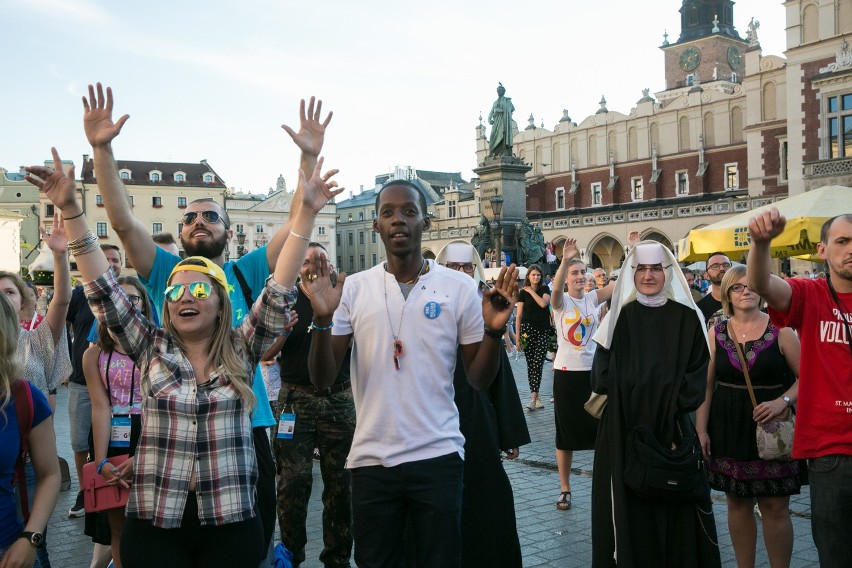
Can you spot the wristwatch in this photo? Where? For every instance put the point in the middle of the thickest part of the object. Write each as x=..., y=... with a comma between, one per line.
x=786, y=400
x=36, y=538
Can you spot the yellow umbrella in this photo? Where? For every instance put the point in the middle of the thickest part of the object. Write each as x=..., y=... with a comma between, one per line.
x=805, y=215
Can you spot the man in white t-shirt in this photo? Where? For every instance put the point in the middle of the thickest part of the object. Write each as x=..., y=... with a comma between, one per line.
x=405, y=320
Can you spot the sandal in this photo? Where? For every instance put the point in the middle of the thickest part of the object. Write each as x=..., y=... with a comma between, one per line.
x=564, y=502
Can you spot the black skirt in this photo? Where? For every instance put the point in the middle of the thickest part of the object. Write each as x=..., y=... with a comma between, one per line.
x=576, y=429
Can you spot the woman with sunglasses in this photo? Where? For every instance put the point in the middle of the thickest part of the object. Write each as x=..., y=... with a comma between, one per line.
x=192, y=495
x=113, y=380
x=727, y=420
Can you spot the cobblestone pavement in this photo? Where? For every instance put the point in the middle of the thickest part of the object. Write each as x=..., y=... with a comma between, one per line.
x=549, y=537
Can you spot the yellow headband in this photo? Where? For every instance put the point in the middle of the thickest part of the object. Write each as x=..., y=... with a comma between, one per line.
x=211, y=269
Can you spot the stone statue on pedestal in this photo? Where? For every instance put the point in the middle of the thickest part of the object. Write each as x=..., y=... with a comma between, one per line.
x=500, y=117
x=481, y=239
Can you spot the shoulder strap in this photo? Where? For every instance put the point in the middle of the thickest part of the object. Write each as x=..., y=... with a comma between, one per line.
x=243, y=286
x=24, y=409
x=733, y=335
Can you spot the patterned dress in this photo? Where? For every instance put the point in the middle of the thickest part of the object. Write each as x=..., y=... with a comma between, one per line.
x=734, y=466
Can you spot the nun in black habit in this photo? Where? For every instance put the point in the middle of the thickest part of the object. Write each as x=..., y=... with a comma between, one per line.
x=492, y=421
x=652, y=363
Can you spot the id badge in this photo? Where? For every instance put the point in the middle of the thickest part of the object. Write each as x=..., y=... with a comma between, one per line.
x=120, y=432
x=286, y=426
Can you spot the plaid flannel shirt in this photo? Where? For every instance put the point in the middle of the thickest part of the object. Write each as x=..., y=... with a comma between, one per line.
x=187, y=427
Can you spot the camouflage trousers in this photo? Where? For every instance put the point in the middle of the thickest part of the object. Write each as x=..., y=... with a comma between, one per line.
x=327, y=423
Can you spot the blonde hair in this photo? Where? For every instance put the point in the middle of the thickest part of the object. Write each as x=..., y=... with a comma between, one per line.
x=729, y=279
x=223, y=355
x=9, y=367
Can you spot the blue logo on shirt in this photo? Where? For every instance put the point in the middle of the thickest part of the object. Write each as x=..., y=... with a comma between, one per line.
x=432, y=310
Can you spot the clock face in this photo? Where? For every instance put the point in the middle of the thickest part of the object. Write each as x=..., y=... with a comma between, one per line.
x=689, y=58
x=734, y=57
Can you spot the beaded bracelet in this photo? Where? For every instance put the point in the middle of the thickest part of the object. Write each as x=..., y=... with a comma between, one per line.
x=102, y=464
x=319, y=327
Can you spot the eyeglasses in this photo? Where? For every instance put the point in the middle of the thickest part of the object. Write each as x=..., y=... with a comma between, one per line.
x=719, y=266
x=208, y=216
x=466, y=266
x=652, y=268
x=135, y=300
x=738, y=288
x=199, y=290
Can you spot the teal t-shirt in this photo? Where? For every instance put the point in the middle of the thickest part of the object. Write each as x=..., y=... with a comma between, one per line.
x=255, y=269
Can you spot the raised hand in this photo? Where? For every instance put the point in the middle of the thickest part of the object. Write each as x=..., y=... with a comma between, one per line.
x=498, y=302
x=57, y=241
x=317, y=286
x=766, y=226
x=633, y=239
x=318, y=190
x=569, y=249
x=311, y=134
x=97, y=117
x=56, y=186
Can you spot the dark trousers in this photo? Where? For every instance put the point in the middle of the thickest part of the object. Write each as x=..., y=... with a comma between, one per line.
x=233, y=545
x=265, y=487
x=327, y=423
x=425, y=495
x=831, y=508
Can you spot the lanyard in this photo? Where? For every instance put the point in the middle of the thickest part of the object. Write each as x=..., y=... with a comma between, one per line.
x=132, y=384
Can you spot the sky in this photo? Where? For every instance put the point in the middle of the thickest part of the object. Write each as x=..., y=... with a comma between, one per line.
x=407, y=81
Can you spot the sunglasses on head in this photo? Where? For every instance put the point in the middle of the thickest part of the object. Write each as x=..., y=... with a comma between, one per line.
x=208, y=216
x=199, y=290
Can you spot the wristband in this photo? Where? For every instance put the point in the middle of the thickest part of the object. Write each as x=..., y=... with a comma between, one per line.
x=495, y=334
x=320, y=327
x=102, y=464
x=80, y=214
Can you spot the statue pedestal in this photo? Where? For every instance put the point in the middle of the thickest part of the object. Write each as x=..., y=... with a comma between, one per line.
x=504, y=176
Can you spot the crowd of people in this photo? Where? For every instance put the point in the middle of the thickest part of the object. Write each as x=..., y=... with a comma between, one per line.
x=222, y=381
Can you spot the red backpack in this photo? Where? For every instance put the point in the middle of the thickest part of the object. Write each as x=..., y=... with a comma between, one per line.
x=23, y=398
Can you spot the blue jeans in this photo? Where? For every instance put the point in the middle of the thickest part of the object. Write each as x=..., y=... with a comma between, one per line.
x=41, y=551
x=831, y=508
x=424, y=494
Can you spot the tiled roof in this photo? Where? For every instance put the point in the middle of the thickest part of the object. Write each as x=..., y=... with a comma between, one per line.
x=139, y=173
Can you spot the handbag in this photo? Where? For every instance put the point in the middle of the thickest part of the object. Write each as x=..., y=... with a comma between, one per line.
x=655, y=471
x=596, y=404
x=97, y=494
x=774, y=438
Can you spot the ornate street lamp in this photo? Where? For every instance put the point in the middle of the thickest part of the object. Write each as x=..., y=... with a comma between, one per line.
x=241, y=241
x=497, y=209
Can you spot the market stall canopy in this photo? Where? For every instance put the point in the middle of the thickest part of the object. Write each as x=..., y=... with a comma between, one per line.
x=805, y=215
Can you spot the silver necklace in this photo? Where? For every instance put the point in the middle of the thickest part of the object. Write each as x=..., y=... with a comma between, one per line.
x=397, y=346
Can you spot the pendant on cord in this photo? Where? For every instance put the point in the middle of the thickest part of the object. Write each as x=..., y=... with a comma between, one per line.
x=398, y=351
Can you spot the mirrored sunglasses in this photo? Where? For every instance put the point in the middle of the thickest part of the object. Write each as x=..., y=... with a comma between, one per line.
x=199, y=290
x=208, y=216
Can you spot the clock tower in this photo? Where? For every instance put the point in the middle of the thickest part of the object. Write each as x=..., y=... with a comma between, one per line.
x=708, y=49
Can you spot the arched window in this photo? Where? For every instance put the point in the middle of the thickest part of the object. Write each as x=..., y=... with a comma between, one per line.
x=683, y=134
x=539, y=160
x=632, y=144
x=593, y=150
x=654, y=132
x=208, y=178
x=769, y=104
x=155, y=176
x=810, y=24
x=555, y=159
x=736, y=124
x=709, y=130
x=574, y=152
x=180, y=177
